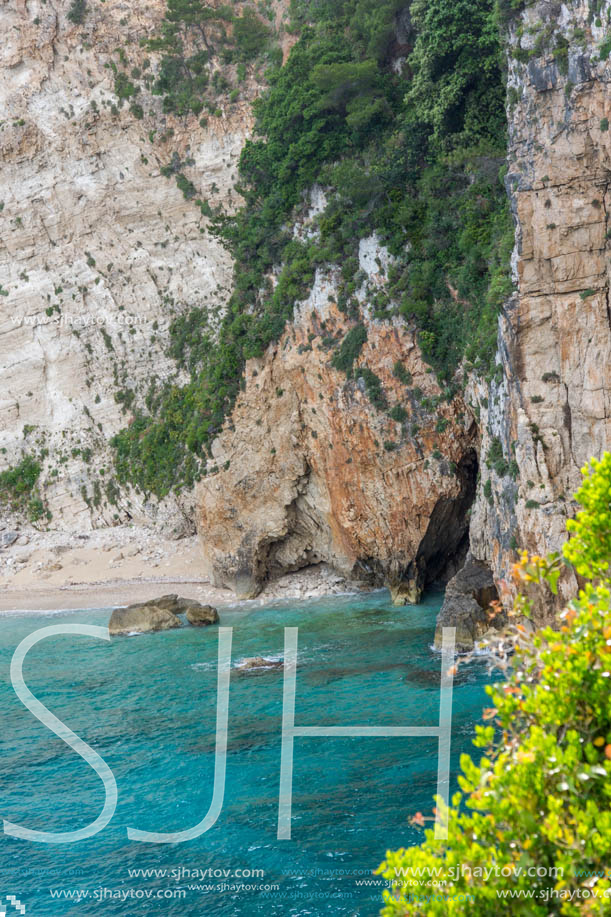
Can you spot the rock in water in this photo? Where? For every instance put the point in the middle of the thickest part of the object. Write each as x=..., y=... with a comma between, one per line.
x=200, y=615
x=466, y=603
x=170, y=602
x=142, y=618
x=258, y=663
x=160, y=614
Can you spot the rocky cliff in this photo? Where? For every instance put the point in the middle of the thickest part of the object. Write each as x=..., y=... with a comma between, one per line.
x=371, y=467
x=550, y=406
x=98, y=250
x=307, y=476
x=313, y=469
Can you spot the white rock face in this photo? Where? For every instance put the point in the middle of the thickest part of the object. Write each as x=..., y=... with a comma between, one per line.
x=316, y=202
x=374, y=258
x=98, y=250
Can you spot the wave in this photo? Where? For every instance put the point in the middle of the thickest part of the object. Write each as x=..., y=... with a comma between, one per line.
x=55, y=611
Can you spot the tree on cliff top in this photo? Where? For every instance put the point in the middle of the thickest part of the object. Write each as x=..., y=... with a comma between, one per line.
x=539, y=814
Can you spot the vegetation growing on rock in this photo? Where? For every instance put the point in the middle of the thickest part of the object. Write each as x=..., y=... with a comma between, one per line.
x=411, y=152
x=19, y=489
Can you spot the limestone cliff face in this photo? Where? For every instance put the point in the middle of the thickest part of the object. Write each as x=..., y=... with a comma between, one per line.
x=550, y=405
x=307, y=479
x=310, y=470
x=98, y=251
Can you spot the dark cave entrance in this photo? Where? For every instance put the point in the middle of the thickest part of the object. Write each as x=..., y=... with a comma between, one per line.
x=443, y=549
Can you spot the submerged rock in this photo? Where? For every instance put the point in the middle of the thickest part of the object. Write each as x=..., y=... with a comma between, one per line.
x=258, y=663
x=142, y=618
x=467, y=605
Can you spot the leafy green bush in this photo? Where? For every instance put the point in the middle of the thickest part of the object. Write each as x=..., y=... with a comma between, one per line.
x=402, y=374
x=250, y=34
x=495, y=458
x=605, y=48
x=77, y=11
x=124, y=88
x=19, y=488
x=398, y=413
x=350, y=348
x=537, y=817
x=373, y=385
x=188, y=82
x=589, y=550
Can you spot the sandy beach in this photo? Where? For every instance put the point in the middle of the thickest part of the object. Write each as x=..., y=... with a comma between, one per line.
x=45, y=571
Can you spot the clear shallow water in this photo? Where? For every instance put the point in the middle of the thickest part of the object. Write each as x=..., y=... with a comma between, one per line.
x=147, y=705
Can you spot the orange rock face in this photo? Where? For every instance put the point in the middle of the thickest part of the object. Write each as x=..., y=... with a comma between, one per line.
x=311, y=471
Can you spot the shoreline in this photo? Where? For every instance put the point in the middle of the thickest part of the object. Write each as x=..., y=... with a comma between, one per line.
x=109, y=595
x=107, y=568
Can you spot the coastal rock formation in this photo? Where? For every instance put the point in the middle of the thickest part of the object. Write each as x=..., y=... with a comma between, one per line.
x=161, y=614
x=197, y=614
x=100, y=251
x=466, y=605
x=549, y=409
x=312, y=471
x=201, y=615
x=142, y=618
x=304, y=476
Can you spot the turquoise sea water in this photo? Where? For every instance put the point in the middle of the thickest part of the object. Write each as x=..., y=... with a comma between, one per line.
x=147, y=705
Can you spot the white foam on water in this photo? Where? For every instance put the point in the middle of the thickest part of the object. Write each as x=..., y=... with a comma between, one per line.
x=271, y=660
x=53, y=611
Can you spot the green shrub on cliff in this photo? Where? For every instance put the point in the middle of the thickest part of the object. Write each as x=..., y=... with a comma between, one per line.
x=77, y=11
x=192, y=35
x=538, y=816
x=350, y=348
x=19, y=488
x=589, y=551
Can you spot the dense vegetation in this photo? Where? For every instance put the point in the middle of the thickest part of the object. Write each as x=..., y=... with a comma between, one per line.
x=19, y=489
x=412, y=155
x=194, y=36
x=538, y=816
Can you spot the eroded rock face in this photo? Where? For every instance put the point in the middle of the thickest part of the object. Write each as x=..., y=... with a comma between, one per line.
x=98, y=250
x=306, y=479
x=551, y=407
x=310, y=471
